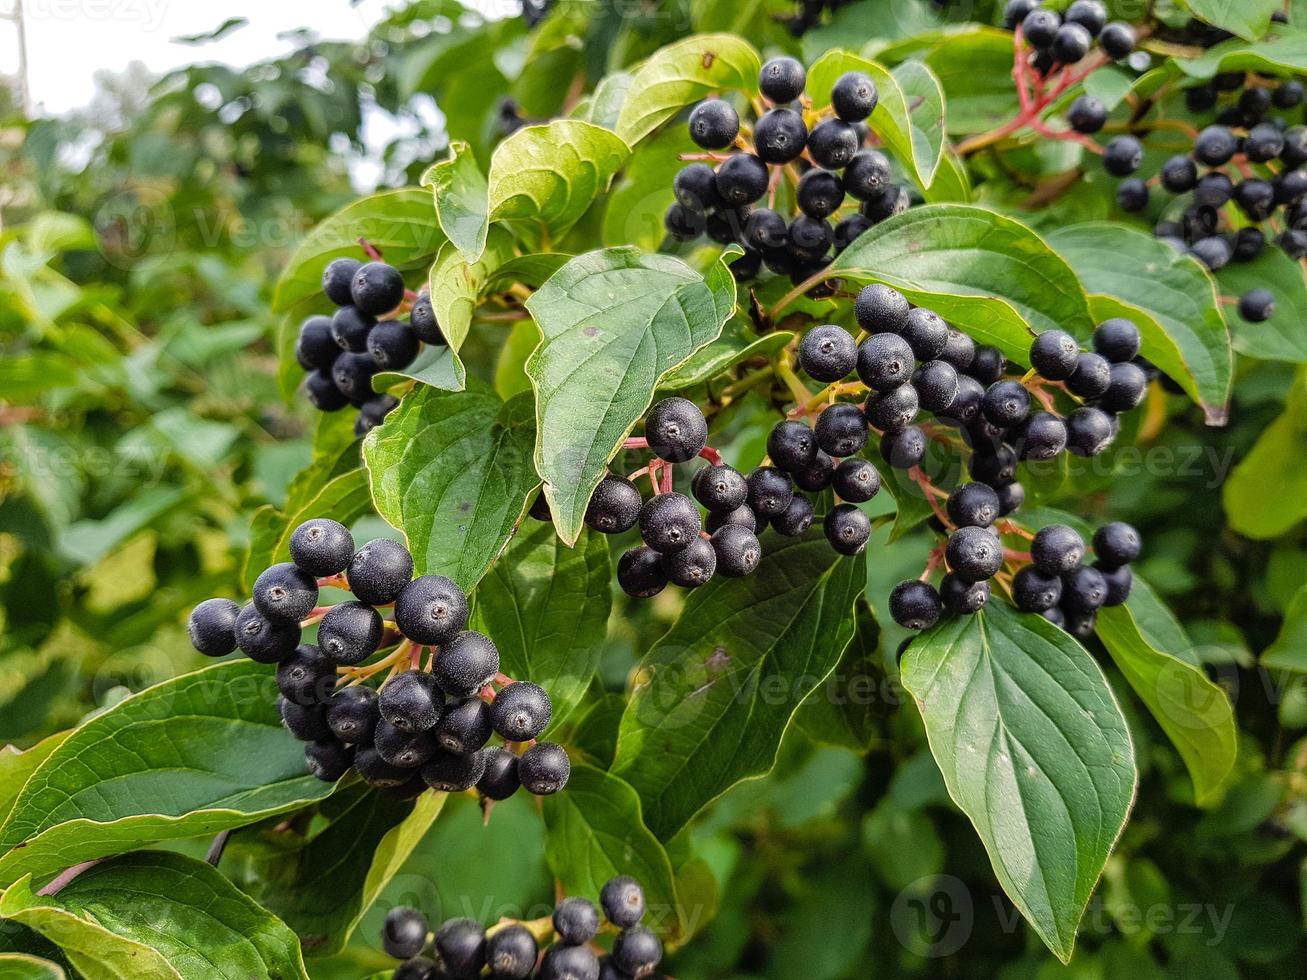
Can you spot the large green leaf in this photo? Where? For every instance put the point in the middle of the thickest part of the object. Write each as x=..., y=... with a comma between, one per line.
x=456, y=289
x=847, y=708
x=321, y=884
x=1266, y=494
x=201, y=753
x=453, y=471
x=974, y=67
x=1034, y=749
x=713, y=697
x=596, y=831
x=1282, y=337
x=546, y=608
x=1284, y=50
x=1168, y=295
x=985, y=273
x=614, y=322
x=155, y=914
x=16, y=767
x=909, y=117
x=462, y=201
x=21, y=966
x=737, y=343
x=682, y=73
x=1247, y=18
x=1194, y=712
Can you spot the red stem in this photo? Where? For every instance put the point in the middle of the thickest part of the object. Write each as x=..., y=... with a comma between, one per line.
x=370, y=250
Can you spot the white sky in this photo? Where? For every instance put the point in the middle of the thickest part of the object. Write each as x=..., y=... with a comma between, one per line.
x=69, y=40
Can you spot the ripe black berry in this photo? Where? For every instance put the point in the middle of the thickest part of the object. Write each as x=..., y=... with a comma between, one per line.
x=336, y=280
x=765, y=229
x=676, y=430
x=1006, y=403
x=1071, y=43
x=321, y=546
x=511, y=952
x=377, y=288
x=770, y=492
x=1264, y=142
x=1117, y=40
x=1293, y=242
x=622, y=900
x=521, y=711
x=448, y=772
x=1054, y=354
x=404, y=933
x=669, y=522
x=352, y=714
x=464, y=726
x=720, y=488
x=848, y=230
x=323, y=394
x=212, y=627
x=614, y=506
x=816, y=476
x=285, y=593
x=780, y=135
x=392, y=345
x=328, y=758
x=499, y=782
x=820, y=193
x=854, y=97
x=791, y=445
x=856, y=480
x=692, y=566
x=1179, y=174
x=1213, y=190
x=885, y=360
x=737, y=550
x=640, y=572
x=306, y=722
x=1035, y=591
x=936, y=383
x=867, y=175
x=797, y=517
x=1089, y=431
x=974, y=553
x=1087, y=114
x=576, y=921
x=306, y=676
x=406, y=750
x=1056, y=549
x=833, y=143
x=1040, y=27
x=847, y=529
x=891, y=201
x=262, y=640
x=350, y=328
x=1123, y=156
x=961, y=597
x=316, y=347
x=893, y=410
x=379, y=571
x=1126, y=389
x=1089, y=14
x=828, y=353
x=1091, y=377
x=568, y=963
x=1257, y=305
x=973, y=505
x=1015, y=12
x=695, y=187
x=431, y=610
x=544, y=769
x=1288, y=94
x=926, y=333
x=1118, y=581
x=683, y=223
x=1042, y=436
x=636, y=951
x=462, y=947
x=1132, y=195
x=841, y=430
x=903, y=449
x=422, y=318
x=411, y=701
x=714, y=124
x=1010, y=497
x=915, y=605
x=881, y=309
x=466, y=664
x=993, y=465
x=782, y=79
x=742, y=179
x=1214, y=146
x=1116, y=544
x=1083, y=590
x=810, y=238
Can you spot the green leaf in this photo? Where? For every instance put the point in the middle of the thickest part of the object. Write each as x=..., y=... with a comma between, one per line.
x=682, y=73
x=1280, y=338
x=974, y=68
x=738, y=343
x=158, y=914
x=87, y=541
x=595, y=832
x=399, y=224
x=1247, y=18
x=462, y=199
x=1035, y=751
x=321, y=884
x=190, y=757
x=1285, y=50
x=544, y=178
x=846, y=708
x=1195, y=713
x=614, y=323
x=23, y=376
x=546, y=608
x=1266, y=494
x=453, y=471
x=985, y=273
x=1289, y=651
x=20, y=966
x=456, y=289
x=16, y=766
x=909, y=117
x=1168, y=295
x=712, y=698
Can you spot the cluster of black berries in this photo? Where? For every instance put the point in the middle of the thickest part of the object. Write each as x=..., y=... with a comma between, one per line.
x=343, y=351
x=831, y=162
x=425, y=728
x=1058, y=585
x=1065, y=38
x=1222, y=169
x=462, y=950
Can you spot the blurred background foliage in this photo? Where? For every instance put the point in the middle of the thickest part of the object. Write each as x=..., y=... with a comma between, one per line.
x=143, y=424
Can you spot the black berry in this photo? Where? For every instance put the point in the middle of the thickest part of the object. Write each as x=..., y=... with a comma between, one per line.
x=737, y=548
x=915, y=605
x=833, y=143
x=669, y=522
x=544, y=769
x=614, y=506
x=714, y=124
x=780, y=135
x=212, y=627
x=411, y=701
x=770, y=491
x=880, y=309
x=1056, y=549
x=431, y=610
x=676, y=430
x=262, y=640
x=352, y=714
x=466, y=664
x=974, y=553
x=622, y=900
x=464, y=727
x=640, y=572
x=847, y=529
x=1034, y=591
x=285, y=593
x=521, y=711
x=576, y=921
x=379, y=571
x=404, y=933
x=854, y=97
